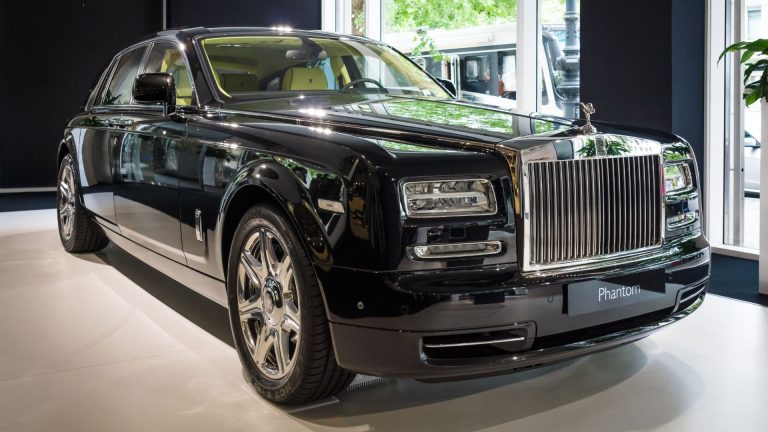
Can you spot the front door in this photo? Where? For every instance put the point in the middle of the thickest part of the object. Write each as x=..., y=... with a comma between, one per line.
x=146, y=144
x=147, y=188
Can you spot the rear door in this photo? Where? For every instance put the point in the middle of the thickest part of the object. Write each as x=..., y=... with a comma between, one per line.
x=99, y=145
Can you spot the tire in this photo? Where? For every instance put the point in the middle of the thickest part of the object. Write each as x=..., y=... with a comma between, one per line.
x=77, y=231
x=277, y=313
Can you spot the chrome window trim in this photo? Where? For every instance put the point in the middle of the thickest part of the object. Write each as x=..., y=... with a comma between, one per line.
x=182, y=50
x=116, y=61
x=206, y=67
x=148, y=45
x=106, y=75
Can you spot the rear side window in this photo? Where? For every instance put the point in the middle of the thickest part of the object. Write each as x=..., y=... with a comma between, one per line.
x=166, y=58
x=120, y=88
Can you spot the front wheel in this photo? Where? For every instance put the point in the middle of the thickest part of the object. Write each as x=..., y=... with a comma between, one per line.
x=277, y=313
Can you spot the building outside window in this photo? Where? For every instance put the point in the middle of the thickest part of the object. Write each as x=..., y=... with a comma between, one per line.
x=475, y=45
x=746, y=21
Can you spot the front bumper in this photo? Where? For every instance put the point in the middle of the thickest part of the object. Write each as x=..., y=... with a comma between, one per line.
x=400, y=354
x=400, y=325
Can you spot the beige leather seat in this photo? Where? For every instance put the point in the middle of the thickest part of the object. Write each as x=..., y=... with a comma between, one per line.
x=299, y=78
x=183, y=86
x=239, y=82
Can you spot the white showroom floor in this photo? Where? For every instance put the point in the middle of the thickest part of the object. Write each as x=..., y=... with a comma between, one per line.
x=88, y=346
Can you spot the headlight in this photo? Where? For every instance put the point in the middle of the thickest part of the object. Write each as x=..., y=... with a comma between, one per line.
x=440, y=198
x=677, y=178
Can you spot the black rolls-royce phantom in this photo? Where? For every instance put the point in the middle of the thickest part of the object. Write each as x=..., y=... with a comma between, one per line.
x=354, y=216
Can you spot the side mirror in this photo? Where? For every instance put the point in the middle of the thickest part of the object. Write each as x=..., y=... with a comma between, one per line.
x=155, y=88
x=448, y=86
x=750, y=141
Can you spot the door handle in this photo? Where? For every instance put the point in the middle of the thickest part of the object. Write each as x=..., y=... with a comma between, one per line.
x=120, y=122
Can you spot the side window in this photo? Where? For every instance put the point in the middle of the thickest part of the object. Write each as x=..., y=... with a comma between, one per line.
x=120, y=89
x=166, y=58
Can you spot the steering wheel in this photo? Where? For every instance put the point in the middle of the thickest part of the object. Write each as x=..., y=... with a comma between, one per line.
x=361, y=80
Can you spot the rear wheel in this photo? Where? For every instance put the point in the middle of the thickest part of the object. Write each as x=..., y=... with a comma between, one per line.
x=77, y=231
x=277, y=313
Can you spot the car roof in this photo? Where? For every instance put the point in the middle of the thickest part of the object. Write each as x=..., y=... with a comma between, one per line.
x=185, y=33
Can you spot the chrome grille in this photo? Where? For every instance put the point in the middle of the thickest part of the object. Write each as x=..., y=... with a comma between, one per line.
x=586, y=208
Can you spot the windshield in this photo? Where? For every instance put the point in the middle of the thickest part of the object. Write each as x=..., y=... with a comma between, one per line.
x=248, y=67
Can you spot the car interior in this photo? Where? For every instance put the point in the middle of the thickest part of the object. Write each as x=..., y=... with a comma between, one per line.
x=168, y=59
x=243, y=65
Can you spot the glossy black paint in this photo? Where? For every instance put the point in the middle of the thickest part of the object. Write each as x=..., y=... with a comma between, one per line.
x=145, y=172
x=155, y=88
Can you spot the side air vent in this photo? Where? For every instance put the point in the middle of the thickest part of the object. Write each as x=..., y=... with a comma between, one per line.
x=479, y=343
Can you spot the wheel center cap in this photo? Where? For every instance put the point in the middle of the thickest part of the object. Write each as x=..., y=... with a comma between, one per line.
x=272, y=295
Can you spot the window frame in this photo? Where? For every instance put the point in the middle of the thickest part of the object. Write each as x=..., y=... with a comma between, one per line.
x=183, y=52
x=115, y=64
x=208, y=71
x=147, y=46
x=715, y=131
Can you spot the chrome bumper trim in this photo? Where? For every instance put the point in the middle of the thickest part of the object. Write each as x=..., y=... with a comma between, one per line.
x=476, y=343
x=633, y=257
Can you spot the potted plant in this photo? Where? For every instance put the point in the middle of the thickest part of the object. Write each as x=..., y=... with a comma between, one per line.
x=754, y=56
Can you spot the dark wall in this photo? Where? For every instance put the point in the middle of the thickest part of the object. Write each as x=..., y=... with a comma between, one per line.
x=52, y=52
x=688, y=65
x=642, y=63
x=625, y=61
x=303, y=14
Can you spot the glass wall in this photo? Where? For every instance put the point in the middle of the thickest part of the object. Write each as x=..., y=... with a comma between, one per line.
x=469, y=44
x=475, y=46
x=350, y=16
x=559, y=57
x=747, y=20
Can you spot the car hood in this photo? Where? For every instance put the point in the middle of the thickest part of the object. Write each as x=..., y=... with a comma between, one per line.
x=417, y=115
x=438, y=122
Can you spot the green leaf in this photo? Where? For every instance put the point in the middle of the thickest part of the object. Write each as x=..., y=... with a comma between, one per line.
x=738, y=46
x=757, y=66
x=750, y=98
x=758, y=89
x=757, y=45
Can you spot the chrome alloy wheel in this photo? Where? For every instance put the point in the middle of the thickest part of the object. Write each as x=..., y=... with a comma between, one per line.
x=66, y=202
x=268, y=303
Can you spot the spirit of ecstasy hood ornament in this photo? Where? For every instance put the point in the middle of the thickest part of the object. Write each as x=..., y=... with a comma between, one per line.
x=588, y=110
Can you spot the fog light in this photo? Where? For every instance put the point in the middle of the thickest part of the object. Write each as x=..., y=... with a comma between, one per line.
x=677, y=221
x=457, y=250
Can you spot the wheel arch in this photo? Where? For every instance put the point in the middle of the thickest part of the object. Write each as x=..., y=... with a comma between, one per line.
x=271, y=183
x=66, y=147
